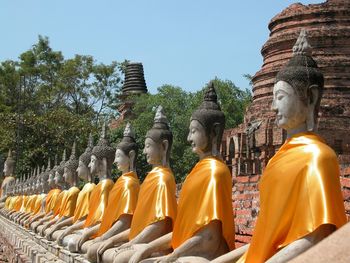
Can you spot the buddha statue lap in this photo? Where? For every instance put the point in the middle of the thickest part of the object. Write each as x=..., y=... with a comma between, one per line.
x=156, y=207
x=300, y=194
x=204, y=226
x=122, y=198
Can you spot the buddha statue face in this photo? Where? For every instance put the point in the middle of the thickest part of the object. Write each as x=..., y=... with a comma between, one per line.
x=69, y=175
x=83, y=171
x=51, y=180
x=59, y=180
x=155, y=151
x=122, y=160
x=94, y=165
x=197, y=137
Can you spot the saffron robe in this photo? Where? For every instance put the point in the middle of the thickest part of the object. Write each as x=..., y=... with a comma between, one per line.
x=82, y=207
x=122, y=200
x=69, y=202
x=51, y=200
x=98, y=202
x=38, y=203
x=58, y=203
x=156, y=200
x=206, y=195
x=299, y=191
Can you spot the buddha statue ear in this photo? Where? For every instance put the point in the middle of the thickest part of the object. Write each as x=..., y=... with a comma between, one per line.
x=313, y=98
x=165, y=146
x=214, y=139
x=132, y=156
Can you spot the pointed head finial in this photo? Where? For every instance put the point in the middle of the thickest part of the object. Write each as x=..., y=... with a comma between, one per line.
x=91, y=141
x=48, y=168
x=128, y=131
x=302, y=46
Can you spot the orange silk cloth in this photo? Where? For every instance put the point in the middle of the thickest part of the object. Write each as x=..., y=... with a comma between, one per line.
x=156, y=200
x=38, y=203
x=57, y=206
x=31, y=203
x=69, y=202
x=51, y=200
x=206, y=195
x=18, y=203
x=98, y=202
x=299, y=191
x=83, y=201
x=24, y=203
x=122, y=200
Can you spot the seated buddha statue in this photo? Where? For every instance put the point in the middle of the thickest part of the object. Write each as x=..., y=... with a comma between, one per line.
x=50, y=219
x=53, y=199
x=9, y=177
x=82, y=207
x=122, y=198
x=300, y=196
x=101, y=161
x=204, y=226
x=17, y=199
x=156, y=206
x=69, y=200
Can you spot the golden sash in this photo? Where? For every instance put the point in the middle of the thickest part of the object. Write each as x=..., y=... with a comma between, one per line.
x=30, y=204
x=156, y=200
x=38, y=203
x=69, y=202
x=51, y=200
x=299, y=191
x=57, y=206
x=122, y=200
x=24, y=203
x=82, y=208
x=18, y=203
x=98, y=202
x=206, y=195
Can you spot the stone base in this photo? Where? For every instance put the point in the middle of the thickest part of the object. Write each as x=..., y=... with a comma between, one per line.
x=18, y=244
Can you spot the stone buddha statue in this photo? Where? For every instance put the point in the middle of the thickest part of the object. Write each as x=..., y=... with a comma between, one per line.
x=300, y=196
x=9, y=166
x=53, y=199
x=48, y=220
x=156, y=206
x=82, y=207
x=122, y=198
x=69, y=200
x=100, y=165
x=204, y=226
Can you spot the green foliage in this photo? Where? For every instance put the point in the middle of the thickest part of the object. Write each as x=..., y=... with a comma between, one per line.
x=178, y=106
x=47, y=101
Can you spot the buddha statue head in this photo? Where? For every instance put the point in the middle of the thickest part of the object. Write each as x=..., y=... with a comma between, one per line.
x=158, y=140
x=298, y=90
x=126, y=152
x=59, y=179
x=84, y=160
x=9, y=165
x=207, y=125
x=70, y=168
x=44, y=179
x=102, y=156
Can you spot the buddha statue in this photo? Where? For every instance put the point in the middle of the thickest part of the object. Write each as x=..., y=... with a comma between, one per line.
x=9, y=166
x=204, y=226
x=122, y=198
x=300, y=196
x=47, y=221
x=82, y=207
x=18, y=199
x=53, y=199
x=69, y=200
x=156, y=206
x=100, y=165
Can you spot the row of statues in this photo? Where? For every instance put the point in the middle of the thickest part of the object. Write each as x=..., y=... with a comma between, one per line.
x=300, y=195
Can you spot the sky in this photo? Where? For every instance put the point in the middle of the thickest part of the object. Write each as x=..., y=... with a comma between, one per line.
x=183, y=43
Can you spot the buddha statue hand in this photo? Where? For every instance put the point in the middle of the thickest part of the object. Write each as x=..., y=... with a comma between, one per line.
x=82, y=240
x=104, y=246
x=62, y=236
x=142, y=252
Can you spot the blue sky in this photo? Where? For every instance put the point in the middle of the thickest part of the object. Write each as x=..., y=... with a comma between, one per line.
x=183, y=43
